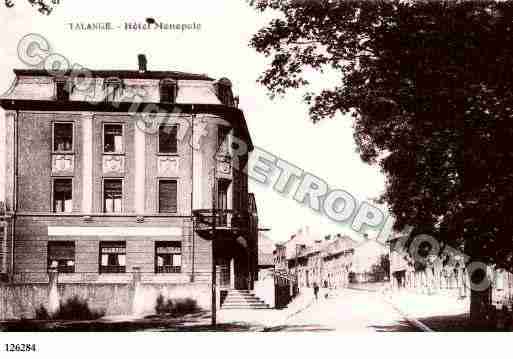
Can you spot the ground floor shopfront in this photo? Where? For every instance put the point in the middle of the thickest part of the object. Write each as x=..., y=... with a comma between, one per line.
x=113, y=262
x=110, y=249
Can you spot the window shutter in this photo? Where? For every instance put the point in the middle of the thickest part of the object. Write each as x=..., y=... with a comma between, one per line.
x=63, y=186
x=168, y=196
x=113, y=188
x=61, y=250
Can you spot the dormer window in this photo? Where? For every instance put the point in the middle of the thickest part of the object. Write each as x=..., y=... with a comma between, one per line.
x=112, y=88
x=61, y=92
x=168, y=91
x=224, y=91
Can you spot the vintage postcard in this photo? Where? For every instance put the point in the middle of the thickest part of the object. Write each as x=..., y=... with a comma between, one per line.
x=276, y=166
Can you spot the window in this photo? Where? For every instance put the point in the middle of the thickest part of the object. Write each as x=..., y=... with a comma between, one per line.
x=168, y=91
x=222, y=194
x=113, y=138
x=62, y=195
x=223, y=140
x=61, y=92
x=112, y=257
x=61, y=256
x=63, y=136
x=168, y=257
x=112, y=88
x=167, y=196
x=222, y=201
x=112, y=195
x=167, y=139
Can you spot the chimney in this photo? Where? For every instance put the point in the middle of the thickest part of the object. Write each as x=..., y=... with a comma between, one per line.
x=142, y=62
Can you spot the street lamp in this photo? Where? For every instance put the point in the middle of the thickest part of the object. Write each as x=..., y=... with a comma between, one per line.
x=214, y=228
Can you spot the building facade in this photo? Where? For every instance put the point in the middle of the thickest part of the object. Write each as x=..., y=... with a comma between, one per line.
x=327, y=261
x=332, y=261
x=121, y=172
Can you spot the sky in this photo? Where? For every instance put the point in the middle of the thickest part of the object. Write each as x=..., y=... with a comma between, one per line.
x=219, y=49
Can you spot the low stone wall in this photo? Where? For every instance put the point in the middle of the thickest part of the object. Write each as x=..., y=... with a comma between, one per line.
x=21, y=300
x=264, y=289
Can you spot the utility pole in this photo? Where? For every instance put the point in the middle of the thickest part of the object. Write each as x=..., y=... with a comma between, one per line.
x=214, y=269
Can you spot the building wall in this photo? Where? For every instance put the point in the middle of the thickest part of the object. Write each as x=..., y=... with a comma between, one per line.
x=22, y=300
x=3, y=155
x=28, y=175
x=35, y=197
x=32, y=242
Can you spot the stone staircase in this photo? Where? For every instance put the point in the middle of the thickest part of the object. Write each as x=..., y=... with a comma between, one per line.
x=242, y=299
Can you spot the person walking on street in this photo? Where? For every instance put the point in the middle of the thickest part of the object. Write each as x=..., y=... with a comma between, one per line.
x=316, y=290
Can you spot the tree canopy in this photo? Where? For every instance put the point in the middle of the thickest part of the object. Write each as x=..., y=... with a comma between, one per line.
x=43, y=6
x=429, y=87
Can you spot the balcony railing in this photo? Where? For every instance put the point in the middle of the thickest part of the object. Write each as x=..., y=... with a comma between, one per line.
x=112, y=269
x=227, y=219
x=168, y=269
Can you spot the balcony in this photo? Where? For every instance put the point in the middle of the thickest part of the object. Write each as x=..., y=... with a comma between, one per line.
x=227, y=222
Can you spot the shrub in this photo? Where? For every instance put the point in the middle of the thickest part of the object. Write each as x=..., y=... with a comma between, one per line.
x=42, y=313
x=161, y=306
x=73, y=309
x=77, y=309
x=185, y=306
x=175, y=307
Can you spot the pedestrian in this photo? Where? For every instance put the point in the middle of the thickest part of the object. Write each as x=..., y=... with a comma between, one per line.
x=316, y=290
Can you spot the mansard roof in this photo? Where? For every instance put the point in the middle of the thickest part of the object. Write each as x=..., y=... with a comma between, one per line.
x=122, y=74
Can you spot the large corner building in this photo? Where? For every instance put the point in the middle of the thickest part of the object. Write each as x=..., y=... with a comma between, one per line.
x=117, y=172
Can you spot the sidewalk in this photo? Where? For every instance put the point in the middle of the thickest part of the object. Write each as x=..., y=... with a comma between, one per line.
x=424, y=305
x=259, y=319
x=417, y=307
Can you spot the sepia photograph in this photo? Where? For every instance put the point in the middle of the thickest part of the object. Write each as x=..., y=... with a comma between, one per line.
x=240, y=166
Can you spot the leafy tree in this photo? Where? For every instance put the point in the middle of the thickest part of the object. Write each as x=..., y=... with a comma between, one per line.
x=429, y=85
x=43, y=6
x=381, y=268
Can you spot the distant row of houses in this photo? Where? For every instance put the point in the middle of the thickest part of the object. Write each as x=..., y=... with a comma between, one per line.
x=331, y=261
x=446, y=272
x=336, y=261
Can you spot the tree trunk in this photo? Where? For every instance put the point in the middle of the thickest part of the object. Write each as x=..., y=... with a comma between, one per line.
x=480, y=301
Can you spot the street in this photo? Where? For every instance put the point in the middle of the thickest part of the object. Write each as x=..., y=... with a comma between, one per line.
x=350, y=310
